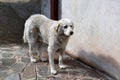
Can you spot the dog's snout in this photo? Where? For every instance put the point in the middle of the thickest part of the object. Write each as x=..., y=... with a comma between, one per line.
x=71, y=33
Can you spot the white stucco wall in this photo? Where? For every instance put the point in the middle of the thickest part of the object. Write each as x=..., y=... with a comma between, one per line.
x=97, y=32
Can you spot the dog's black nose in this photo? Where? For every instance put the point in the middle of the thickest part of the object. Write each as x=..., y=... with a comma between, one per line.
x=71, y=33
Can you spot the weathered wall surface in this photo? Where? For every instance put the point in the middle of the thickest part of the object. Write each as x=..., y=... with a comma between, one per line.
x=13, y=14
x=97, y=32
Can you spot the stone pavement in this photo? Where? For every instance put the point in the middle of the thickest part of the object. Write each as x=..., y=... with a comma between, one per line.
x=15, y=65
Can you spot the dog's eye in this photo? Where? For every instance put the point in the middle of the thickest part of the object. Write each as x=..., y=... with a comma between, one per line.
x=70, y=25
x=65, y=26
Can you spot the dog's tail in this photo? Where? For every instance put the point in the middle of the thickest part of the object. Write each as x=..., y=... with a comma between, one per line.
x=24, y=38
x=24, y=35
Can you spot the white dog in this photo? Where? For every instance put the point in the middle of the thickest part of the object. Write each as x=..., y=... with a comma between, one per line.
x=39, y=29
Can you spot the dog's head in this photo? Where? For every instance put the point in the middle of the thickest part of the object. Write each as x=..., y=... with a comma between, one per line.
x=65, y=27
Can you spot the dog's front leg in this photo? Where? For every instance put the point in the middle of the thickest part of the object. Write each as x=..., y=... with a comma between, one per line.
x=51, y=52
x=61, y=65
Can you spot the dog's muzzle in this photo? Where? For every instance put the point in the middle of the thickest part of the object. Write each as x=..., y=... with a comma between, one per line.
x=70, y=34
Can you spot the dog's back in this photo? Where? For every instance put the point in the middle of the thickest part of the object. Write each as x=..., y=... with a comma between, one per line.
x=37, y=23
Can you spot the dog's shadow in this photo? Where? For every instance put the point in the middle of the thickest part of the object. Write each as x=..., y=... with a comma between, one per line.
x=73, y=66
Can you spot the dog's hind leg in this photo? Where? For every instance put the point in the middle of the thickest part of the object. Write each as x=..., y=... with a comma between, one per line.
x=32, y=38
x=31, y=51
x=39, y=49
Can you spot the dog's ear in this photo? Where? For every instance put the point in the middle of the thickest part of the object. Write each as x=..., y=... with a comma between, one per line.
x=57, y=27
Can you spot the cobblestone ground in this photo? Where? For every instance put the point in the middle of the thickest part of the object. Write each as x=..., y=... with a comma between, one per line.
x=15, y=65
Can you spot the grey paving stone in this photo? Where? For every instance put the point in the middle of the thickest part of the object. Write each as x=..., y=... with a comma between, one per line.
x=29, y=73
x=73, y=63
x=39, y=71
x=19, y=52
x=42, y=70
x=6, y=49
x=92, y=73
x=7, y=55
x=14, y=76
x=3, y=67
x=25, y=60
x=56, y=78
x=41, y=78
x=8, y=61
x=10, y=71
x=88, y=78
x=77, y=71
x=72, y=72
x=0, y=56
x=18, y=67
x=0, y=63
x=3, y=74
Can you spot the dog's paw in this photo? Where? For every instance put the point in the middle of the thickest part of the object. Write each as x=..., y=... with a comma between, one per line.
x=63, y=66
x=54, y=72
x=33, y=60
x=43, y=59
